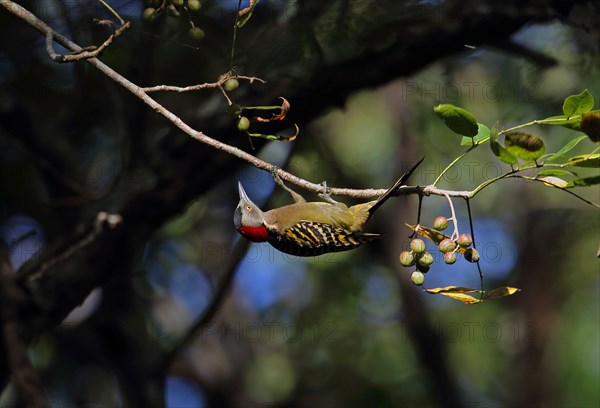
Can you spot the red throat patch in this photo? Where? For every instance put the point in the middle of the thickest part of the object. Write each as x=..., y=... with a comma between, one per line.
x=256, y=234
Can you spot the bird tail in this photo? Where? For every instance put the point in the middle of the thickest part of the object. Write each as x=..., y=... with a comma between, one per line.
x=393, y=190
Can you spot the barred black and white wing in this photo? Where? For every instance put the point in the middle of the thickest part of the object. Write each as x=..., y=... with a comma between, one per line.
x=308, y=238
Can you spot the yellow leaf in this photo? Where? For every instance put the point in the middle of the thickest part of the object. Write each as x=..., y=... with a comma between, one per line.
x=451, y=289
x=554, y=182
x=467, y=299
x=501, y=292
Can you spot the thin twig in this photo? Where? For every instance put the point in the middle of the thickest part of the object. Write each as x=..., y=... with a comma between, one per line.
x=475, y=247
x=454, y=219
x=102, y=221
x=81, y=54
x=207, y=85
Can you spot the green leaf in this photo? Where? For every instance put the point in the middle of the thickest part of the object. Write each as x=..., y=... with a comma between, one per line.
x=576, y=104
x=482, y=135
x=584, y=182
x=524, y=145
x=570, y=145
x=503, y=154
x=457, y=119
x=555, y=172
x=574, y=122
x=585, y=160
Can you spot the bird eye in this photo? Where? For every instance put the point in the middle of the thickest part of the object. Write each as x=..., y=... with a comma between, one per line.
x=248, y=208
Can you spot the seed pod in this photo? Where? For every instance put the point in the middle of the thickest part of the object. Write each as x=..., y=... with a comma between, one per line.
x=417, y=278
x=407, y=258
x=464, y=240
x=450, y=258
x=196, y=33
x=150, y=14
x=243, y=124
x=440, y=223
x=472, y=255
x=426, y=259
x=417, y=245
x=447, y=245
x=194, y=5
x=231, y=84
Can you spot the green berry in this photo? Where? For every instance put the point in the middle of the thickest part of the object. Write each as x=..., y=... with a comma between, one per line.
x=417, y=278
x=464, y=240
x=472, y=255
x=194, y=5
x=450, y=257
x=172, y=11
x=196, y=33
x=407, y=258
x=150, y=14
x=231, y=84
x=446, y=245
x=243, y=124
x=440, y=223
x=426, y=259
x=177, y=3
x=417, y=245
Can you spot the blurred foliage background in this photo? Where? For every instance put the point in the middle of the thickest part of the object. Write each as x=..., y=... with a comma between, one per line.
x=123, y=322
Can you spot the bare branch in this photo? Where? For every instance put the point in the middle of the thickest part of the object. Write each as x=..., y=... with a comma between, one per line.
x=207, y=85
x=83, y=53
x=102, y=221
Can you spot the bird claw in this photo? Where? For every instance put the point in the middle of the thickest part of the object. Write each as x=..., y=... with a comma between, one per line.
x=277, y=179
x=326, y=194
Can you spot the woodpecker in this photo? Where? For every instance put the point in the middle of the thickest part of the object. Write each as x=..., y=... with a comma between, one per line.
x=310, y=228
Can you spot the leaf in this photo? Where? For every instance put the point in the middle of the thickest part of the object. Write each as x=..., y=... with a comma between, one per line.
x=483, y=133
x=524, y=145
x=466, y=299
x=566, y=148
x=283, y=110
x=451, y=289
x=553, y=181
x=581, y=103
x=556, y=172
x=456, y=292
x=500, y=292
x=277, y=137
x=503, y=154
x=590, y=125
x=584, y=182
x=585, y=160
x=573, y=122
x=457, y=119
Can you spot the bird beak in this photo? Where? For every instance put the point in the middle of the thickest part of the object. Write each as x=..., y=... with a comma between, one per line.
x=243, y=195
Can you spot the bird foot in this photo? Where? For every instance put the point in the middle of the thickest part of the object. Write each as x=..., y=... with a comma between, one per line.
x=326, y=194
x=277, y=179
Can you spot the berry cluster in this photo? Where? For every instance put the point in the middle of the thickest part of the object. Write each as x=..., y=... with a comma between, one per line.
x=448, y=246
x=174, y=8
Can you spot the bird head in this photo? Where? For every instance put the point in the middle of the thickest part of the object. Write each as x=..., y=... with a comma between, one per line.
x=248, y=219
